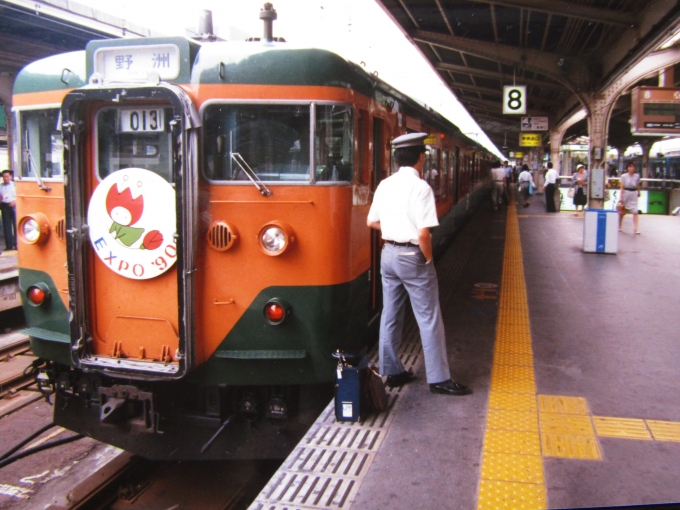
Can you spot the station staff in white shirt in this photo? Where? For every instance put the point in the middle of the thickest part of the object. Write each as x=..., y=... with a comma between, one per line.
x=403, y=210
x=8, y=202
x=550, y=188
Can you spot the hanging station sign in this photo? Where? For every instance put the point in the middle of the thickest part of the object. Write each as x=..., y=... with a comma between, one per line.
x=534, y=124
x=530, y=140
x=514, y=99
x=655, y=110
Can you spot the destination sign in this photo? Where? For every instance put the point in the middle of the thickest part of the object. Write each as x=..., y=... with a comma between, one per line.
x=135, y=63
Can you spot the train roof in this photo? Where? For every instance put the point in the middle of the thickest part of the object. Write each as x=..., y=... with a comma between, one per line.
x=242, y=63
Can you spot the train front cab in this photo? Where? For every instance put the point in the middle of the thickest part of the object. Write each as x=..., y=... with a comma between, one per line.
x=209, y=251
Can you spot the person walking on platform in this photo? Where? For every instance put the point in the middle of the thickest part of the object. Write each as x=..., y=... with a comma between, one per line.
x=403, y=210
x=498, y=176
x=8, y=196
x=507, y=169
x=630, y=191
x=550, y=188
x=580, y=187
x=525, y=181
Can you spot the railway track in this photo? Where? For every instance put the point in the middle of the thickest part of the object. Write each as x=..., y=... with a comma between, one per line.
x=88, y=475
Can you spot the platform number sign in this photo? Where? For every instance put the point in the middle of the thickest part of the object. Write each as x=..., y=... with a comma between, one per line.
x=514, y=99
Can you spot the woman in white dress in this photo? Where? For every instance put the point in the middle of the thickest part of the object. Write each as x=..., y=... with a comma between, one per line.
x=630, y=191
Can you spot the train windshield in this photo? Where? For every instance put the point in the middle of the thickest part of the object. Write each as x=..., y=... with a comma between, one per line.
x=138, y=137
x=274, y=140
x=42, y=146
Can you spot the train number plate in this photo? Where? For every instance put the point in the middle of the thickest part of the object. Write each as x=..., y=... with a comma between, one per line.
x=141, y=120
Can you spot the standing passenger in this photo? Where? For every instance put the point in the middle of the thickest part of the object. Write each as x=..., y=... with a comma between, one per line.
x=403, y=210
x=508, y=180
x=630, y=191
x=580, y=186
x=498, y=176
x=550, y=188
x=8, y=194
x=525, y=180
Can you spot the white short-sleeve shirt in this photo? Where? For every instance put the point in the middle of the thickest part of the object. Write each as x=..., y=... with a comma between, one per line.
x=403, y=203
x=551, y=176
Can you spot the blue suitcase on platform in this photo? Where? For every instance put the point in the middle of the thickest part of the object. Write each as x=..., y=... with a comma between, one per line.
x=348, y=380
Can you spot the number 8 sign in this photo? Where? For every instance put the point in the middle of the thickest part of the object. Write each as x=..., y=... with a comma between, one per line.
x=514, y=99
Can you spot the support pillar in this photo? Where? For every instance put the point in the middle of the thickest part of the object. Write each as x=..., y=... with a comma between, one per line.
x=555, y=144
x=6, y=85
x=646, y=145
x=667, y=77
x=598, y=127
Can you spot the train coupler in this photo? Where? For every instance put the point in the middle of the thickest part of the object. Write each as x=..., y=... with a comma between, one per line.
x=128, y=406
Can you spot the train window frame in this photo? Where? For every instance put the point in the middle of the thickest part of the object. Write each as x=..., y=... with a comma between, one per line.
x=170, y=176
x=312, y=104
x=18, y=143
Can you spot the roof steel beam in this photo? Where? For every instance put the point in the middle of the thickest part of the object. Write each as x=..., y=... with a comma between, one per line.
x=499, y=93
x=494, y=107
x=569, y=10
x=443, y=66
x=573, y=72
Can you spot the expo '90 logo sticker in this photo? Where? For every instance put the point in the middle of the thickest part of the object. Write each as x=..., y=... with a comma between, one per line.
x=132, y=222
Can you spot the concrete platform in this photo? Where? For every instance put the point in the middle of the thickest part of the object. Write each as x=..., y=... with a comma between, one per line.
x=573, y=362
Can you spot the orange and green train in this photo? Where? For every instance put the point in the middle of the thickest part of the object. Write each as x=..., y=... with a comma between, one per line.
x=193, y=241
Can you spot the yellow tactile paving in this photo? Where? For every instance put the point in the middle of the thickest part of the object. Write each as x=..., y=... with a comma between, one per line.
x=664, y=430
x=512, y=420
x=566, y=424
x=509, y=467
x=518, y=373
x=521, y=347
x=512, y=464
x=514, y=358
x=511, y=384
x=564, y=405
x=626, y=428
x=512, y=401
x=512, y=441
x=570, y=446
x=495, y=495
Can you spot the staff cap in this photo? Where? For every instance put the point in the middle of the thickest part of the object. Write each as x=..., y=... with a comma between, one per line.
x=409, y=140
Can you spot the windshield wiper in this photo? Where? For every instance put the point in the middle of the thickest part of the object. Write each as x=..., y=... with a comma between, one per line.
x=243, y=165
x=31, y=163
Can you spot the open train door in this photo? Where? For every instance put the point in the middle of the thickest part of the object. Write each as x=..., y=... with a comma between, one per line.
x=378, y=173
x=131, y=209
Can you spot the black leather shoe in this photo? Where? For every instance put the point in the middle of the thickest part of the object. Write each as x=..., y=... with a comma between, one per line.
x=394, y=381
x=450, y=387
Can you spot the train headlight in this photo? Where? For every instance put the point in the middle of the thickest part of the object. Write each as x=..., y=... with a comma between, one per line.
x=276, y=310
x=34, y=228
x=38, y=294
x=275, y=238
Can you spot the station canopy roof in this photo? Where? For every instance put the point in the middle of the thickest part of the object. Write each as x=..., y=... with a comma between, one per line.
x=559, y=49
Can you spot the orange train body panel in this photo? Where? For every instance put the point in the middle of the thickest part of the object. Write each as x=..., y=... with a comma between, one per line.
x=49, y=256
x=327, y=249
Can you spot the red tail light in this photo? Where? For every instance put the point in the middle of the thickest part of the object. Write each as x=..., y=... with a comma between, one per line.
x=275, y=311
x=37, y=294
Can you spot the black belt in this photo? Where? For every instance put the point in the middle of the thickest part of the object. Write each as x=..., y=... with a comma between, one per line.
x=630, y=189
x=406, y=245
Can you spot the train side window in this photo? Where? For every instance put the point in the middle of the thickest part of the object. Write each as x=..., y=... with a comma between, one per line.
x=364, y=152
x=41, y=143
x=432, y=170
x=272, y=139
x=454, y=168
x=445, y=173
x=135, y=137
x=334, y=143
